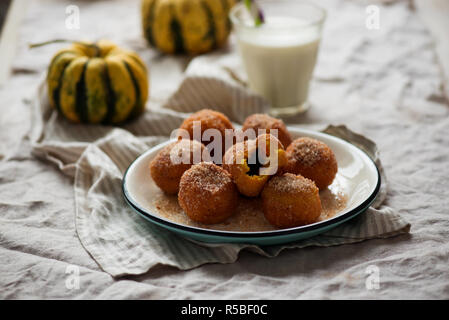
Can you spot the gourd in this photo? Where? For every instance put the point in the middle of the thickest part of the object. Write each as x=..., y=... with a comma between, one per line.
x=97, y=83
x=186, y=26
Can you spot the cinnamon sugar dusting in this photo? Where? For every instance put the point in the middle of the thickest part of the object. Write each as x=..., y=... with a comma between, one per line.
x=248, y=216
x=207, y=177
x=331, y=203
x=290, y=183
x=309, y=151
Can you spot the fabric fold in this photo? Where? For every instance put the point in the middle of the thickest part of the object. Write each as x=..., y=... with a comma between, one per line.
x=123, y=243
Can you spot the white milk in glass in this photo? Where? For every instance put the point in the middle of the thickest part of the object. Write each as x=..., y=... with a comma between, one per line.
x=279, y=57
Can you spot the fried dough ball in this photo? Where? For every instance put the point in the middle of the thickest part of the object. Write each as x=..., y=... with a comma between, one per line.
x=263, y=121
x=208, y=119
x=171, y=162
x=207, y=193
x=290, y=201
x=312, y=159
x=250, y=166
x=235, y=161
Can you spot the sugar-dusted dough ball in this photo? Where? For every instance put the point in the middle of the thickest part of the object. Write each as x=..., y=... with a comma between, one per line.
x=251, y=167
x=171, y=162
x=207, y=193
x=312, y=159
x=263, y=121
x=208, y=119
x=291, y=200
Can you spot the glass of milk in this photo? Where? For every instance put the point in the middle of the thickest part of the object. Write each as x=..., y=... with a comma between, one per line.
x=279, y=55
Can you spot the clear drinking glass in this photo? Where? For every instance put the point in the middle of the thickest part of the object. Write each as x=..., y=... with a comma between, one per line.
x=279, y=56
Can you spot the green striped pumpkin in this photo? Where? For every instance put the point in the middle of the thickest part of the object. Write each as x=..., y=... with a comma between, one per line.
x=97, y=83
x=186, y=26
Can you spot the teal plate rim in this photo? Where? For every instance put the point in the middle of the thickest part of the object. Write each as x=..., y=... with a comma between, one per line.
x=325, y=225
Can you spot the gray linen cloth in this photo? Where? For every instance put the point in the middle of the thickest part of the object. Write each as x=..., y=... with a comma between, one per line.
x=123, y=243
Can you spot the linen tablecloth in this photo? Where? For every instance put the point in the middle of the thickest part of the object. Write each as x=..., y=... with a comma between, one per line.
x=97, y=156
x=385, y=84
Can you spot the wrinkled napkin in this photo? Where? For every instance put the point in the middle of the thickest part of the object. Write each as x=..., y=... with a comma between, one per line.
x=122, y=242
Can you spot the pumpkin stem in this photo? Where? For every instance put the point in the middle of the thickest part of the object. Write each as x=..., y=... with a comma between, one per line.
x=40, y=44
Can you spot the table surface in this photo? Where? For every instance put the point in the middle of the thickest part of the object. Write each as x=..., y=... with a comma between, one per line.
x=385, y=84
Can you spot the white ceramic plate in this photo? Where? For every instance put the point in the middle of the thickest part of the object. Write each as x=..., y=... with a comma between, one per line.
x=358, y=178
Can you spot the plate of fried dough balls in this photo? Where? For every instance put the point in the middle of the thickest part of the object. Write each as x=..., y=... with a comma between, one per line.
x=260, y=182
